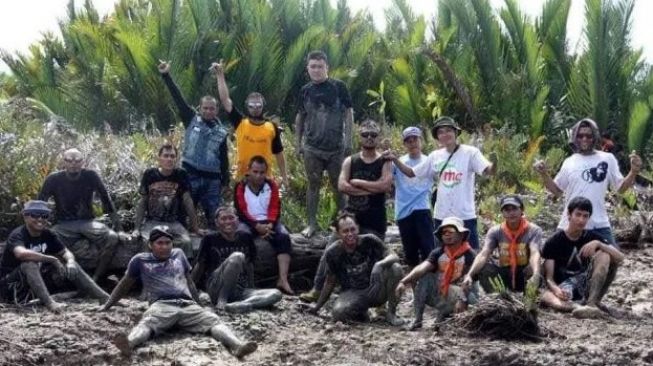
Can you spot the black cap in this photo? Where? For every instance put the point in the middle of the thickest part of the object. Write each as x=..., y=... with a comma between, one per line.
x=159, y=231
x=511, y=200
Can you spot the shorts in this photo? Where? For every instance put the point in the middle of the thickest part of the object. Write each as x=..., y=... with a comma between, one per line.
x=186, y=314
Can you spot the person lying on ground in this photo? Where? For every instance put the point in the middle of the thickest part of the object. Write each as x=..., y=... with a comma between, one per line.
x=255, y=135
x=73, y=190
x=517, y=243
x=579, y=264
x=165, y=276
x=225, y=268
x=35, y=259
x=258, y=205
x=364, y=179
x=366, y=270
x=205, y=155
x=437, y=280
x=588, y=172
x=165, y=195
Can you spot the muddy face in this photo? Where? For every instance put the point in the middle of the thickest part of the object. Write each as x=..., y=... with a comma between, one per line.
x=161, y=247
x=369, y=138
x=585, y=139
x=72, y=163
x=208, y=109
x=348, y=232
x=227, y=222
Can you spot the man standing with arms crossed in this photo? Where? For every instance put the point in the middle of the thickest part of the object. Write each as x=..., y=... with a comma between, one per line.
x=324, y=131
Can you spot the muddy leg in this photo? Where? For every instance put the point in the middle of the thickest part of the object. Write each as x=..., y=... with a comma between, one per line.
x=86, y=285
x=598, y=280
x=314, y=168
x=37, y=285
x=126, y=343
x=255, y=299
x=236, y=346
x=106, y=255
x=224, y=279
x=351, y=305
x=423, y=295
x=391, y=278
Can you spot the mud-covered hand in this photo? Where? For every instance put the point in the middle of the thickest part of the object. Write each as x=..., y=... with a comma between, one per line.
x=400, y=289
x=72, y=270
x=540, y=166
x=217, y=67
x=467, y=283
x=635, y=162
x=164, y=67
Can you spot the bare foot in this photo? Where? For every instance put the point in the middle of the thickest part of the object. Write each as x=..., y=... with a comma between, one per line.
x=56, y=307
x=393, y=319
x=284, y=287
x=587, y=312
x=245, y=349
x=121, y=341
x=309, y=231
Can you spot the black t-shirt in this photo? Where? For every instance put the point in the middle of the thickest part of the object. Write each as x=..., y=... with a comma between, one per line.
x=46, y=243
x=353, y=270
x=74, y=198
x=236, y=117
x=566, y=253
x=325, y=93
x=215, y=249
x=164, y=193
x=369, y=209
x=439, y=258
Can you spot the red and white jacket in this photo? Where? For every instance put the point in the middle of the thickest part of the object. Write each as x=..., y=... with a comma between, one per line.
x=253, y=212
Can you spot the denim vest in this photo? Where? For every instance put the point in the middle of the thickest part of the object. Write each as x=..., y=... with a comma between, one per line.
x=202, y=145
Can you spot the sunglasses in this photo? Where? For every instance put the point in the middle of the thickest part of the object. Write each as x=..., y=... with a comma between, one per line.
x=37, y=216
x=254, y=105
x=70, y=160
x=588, y=136
x=367, y=135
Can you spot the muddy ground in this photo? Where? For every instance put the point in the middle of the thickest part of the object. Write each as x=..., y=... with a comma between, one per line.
x=287, y=336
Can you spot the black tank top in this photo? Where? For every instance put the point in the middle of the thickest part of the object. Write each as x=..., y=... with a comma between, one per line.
x=370, y=172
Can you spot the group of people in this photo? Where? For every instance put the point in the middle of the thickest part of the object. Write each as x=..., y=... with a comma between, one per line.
x=441, y=246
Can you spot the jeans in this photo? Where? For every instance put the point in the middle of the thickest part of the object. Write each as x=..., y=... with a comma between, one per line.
x=606, y=234
x=206, y=192
x=470, y=224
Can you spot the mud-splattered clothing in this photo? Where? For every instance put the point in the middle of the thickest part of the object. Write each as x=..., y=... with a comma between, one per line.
x=353, y=270
x=164, y=193
x=368, y=209
x=161, y=279
x=263, y=139
x=215, y=249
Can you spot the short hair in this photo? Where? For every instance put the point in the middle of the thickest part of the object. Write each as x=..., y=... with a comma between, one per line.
x=369, y=124
x=259, y=160
x=224, y=208
x=317, y=55
x=579, y=203
x=255, y=95
x=168, y=146
x=208, y=98
x=342, y=216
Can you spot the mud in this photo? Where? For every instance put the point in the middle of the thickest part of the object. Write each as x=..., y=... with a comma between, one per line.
x=287, y=336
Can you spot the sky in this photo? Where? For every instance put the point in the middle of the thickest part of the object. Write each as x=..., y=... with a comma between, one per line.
x=23, y=22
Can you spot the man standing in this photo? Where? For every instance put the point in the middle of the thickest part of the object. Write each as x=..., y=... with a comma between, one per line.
x=34, y=255
x=165, y=275
x=255, y=135
x=225, y=268
x=412, y=210
x=323, y=126
x=365, y=178
x=205, y=156
x=366, y=270
x=454, y=166
x=518, y=244
x=165, y=194
x=258, y=205
x=579, y=264
x=437, y=279
x=73, y=190
x=587, y=173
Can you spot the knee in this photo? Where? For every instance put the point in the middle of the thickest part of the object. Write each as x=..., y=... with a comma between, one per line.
x=237, y=258
x=30, y=267
x=602, y=259
x=340, y=311
x=112, y=238
x=275, y=296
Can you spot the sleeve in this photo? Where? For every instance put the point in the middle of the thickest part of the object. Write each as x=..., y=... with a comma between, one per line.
x=562, y=178
x=536, y=242
x=615, y=178
x=224, y=164
x=235, y=117
x=425, y=168
x=479, y=161
x=331, y=263
x=433, y=257
x=144, y=188
x=492, y=238
x=107, y=204
x=134, y=267
x=274, y=208
x=184, y=260
x=277, y=145
x=549, y=248
x=343, y=94
x=14, y=240
x=241, y=205
x=46, y=190
x=184, y=181
x=185, y=111
x=202, y=254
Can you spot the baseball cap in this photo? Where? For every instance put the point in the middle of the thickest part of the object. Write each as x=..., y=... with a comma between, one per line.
x=36, y=207
x=410, y=132
x=511, y=200
x=159, y=231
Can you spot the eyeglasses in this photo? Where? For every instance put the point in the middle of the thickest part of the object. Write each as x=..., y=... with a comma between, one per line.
x=254, y=105
x=367, y=135
x=37, y=216
x=588, y=136
x=71, y=160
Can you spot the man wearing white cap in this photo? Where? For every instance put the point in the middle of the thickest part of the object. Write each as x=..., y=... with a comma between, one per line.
x=440, y=274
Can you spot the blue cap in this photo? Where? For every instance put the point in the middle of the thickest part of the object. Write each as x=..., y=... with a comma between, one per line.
x=36, y=206
x=410, y=132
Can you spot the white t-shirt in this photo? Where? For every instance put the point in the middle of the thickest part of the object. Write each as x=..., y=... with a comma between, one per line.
x=257, y=204
x=456, y=186
x=589, y=176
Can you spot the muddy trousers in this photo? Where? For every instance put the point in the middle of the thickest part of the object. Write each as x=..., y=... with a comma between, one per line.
x=352, y=305
x=223, y=287
x=315, y=163
x=427, y=292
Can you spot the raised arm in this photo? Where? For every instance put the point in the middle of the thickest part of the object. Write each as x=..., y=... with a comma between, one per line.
x=186, y=112
x=635, y=168
x=223, y=88
x=391, y=156
x=549, y=183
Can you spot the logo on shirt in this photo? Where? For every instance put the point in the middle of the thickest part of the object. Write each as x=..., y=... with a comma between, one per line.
x=451, y=177
x=39, y=248
x=596, y=174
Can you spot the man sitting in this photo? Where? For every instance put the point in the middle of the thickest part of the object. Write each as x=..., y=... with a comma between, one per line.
x=165, y=275
x=579, y=264
x=259, y=207
x=439, y=276
x=34, y=255
x=165, y=192
x=225, y=270
x=73, y=190
x=366, y=270
x=518, y=244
